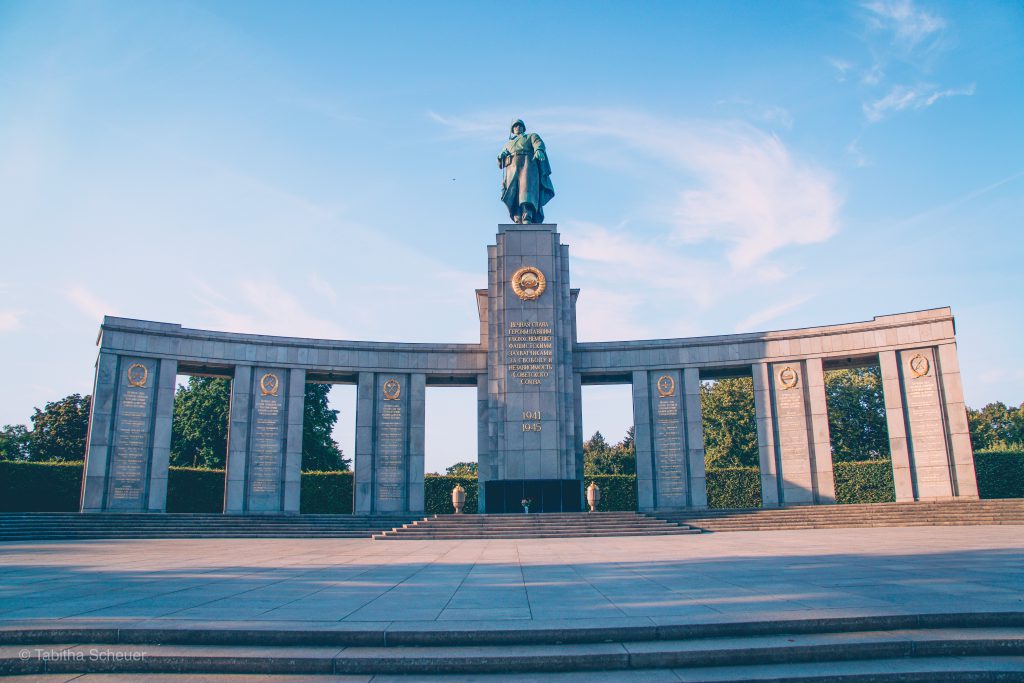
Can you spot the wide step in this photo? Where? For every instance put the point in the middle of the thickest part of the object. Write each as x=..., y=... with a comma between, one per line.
x=90, y=526
x=951, y=513
x=538, y=525
x=994, y=642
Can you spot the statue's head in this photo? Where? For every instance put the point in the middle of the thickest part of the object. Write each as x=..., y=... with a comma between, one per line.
x=518, y=123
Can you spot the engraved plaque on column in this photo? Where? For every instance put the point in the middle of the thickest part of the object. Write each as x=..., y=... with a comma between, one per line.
x=792, y=439
x=926, y=432
x=266, y=440
x=392, y=438
x=133, y=427
x=669, y=445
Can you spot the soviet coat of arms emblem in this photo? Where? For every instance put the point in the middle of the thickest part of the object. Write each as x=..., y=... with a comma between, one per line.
x=529, y=283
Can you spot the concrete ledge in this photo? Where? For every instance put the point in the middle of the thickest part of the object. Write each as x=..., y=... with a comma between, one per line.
x=509, y=658
x=530, y=633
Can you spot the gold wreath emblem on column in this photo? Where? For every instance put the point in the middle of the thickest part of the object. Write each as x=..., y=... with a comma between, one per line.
x=919, y=366
x=788, y=377
x=137, y=375
x=529, y=283
x=269, y=384
x=392, y=390
x=666, y=386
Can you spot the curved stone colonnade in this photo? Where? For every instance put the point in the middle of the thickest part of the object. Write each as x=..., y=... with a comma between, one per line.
x=130, y=425
x=926, y=417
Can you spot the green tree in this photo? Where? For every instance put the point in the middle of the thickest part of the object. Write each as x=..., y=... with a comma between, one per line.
x=856, y=414
x=996, y=425
x=628, y=443
x=59, y=429
x=199, y=432
x=15, y=442
x=462, y=469
x=730, y=425
x=601, y=458
x=320, y=452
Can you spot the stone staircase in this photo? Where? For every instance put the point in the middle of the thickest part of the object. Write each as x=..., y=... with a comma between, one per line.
x=946, y=513
x=906, y=647
x=47, y=526
x=536, y=525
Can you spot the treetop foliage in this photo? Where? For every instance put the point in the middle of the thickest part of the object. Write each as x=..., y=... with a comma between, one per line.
x=730, y=424
x=996, y=426
x=462, y=469
x=856, y=414
x=600, y=457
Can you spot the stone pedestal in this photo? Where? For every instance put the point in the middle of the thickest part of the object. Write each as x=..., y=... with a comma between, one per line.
x=129, y=435
x=531, y=439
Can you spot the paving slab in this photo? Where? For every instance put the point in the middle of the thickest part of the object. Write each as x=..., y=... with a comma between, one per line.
x=357, y=583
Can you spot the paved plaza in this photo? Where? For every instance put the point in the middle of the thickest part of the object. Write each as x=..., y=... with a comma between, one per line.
x=364, y=584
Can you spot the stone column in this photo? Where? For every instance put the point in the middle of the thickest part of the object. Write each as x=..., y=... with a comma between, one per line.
x=162, y=422
x=484, y=463
x=670, y=490
x=821, y=438
x=697, y=487
x=98, y=440
x=238, y=440
x=390, y=413
x=931, y=468
x=415, y=462
x=293, y=445
x=798, y=469
x=669, y=440
x=765, y=435
x=264, y=440
x=895, y=422
x=965, y=481
x=363, y=462
x=129, y=435
x=643, y=441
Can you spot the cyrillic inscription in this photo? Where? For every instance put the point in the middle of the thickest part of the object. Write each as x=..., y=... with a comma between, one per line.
x=530, y=351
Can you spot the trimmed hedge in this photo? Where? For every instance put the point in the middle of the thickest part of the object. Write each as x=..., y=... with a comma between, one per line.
x=56, y=486
x=618, y=492
x=40, y=486
x=437, y=494
x=192, y=489
x=734, y=487
x=326, y=493
x=1000, y=472
x=864, y=481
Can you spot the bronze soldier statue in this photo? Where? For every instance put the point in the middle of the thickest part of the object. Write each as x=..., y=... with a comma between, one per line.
x=526, y=186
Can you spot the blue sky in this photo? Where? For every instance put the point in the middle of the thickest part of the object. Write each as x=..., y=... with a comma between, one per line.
x=327, y=170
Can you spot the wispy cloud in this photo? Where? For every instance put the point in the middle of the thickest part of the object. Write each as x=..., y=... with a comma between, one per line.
x=755, y=320
x=956, y=202
x=908, y=23
x=262, y=307
x=88, y=303
x=855, y=152
x=735, y=183
x=635, y=265
x=842, y=67
x=321, y=287
x=902, y=97
x=10, y=321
